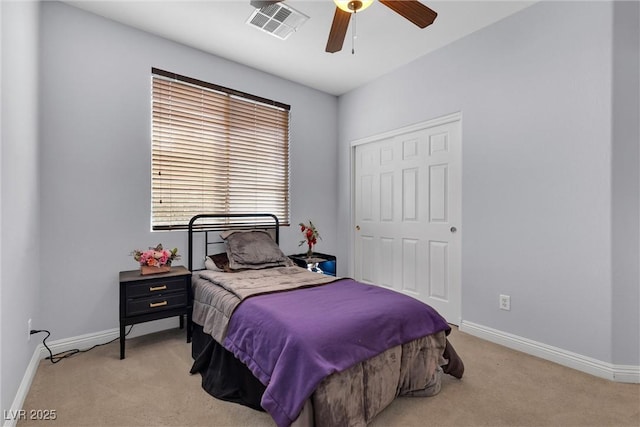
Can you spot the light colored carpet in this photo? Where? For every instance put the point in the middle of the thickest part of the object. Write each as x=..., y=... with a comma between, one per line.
x=152, y=387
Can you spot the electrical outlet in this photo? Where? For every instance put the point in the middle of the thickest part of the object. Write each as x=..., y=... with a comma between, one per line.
x=29, y=330
x=505, y=302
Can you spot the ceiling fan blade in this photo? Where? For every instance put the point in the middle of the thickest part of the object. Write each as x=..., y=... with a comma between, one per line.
x=338, y=30
x=413, y=10
x=259, y=4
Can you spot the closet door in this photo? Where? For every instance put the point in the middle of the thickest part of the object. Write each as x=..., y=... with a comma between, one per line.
x=407, y=215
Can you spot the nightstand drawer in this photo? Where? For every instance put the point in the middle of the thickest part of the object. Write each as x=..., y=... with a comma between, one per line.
x=156, y=303
x=154, y=287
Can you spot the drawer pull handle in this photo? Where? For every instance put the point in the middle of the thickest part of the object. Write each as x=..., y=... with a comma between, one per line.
x=157, y=288
x=157, y=304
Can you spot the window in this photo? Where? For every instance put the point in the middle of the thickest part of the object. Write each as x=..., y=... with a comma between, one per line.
x=215, y=150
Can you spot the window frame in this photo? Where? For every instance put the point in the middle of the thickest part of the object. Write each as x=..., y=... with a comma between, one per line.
x=227, y=121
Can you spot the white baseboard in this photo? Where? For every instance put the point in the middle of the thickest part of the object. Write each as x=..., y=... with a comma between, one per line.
x=11, y=417
x=618, y=373
x=80, y=341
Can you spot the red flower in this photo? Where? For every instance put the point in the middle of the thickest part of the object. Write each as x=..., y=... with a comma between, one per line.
x=310, y=234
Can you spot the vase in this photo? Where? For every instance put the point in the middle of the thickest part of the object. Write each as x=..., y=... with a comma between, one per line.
x=146, y=269
x=310, y=251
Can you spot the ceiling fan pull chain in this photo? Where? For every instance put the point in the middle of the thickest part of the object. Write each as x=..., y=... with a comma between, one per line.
x=353, y=34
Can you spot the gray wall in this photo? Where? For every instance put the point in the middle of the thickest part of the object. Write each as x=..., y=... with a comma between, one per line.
x=535, y=92
x=626, y=181
x=20, y=253
x=95, y=158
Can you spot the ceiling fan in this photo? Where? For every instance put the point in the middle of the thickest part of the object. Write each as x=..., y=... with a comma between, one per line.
x=413, y=10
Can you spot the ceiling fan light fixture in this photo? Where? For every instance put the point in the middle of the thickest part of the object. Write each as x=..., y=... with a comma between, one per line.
x=352, y=6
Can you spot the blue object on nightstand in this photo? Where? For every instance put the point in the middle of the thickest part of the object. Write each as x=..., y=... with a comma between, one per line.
x=321, y=263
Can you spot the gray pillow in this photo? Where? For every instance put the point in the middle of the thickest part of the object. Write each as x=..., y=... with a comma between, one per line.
x=254, y=249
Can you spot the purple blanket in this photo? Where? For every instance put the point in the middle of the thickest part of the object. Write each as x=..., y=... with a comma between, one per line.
x=292, y=340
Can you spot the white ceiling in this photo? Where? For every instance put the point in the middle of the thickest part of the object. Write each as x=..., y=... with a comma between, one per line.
x=385, y=40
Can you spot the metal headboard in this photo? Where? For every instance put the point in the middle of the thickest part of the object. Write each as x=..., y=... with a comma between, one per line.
x=198, y=224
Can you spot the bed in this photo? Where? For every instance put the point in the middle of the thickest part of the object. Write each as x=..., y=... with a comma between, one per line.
x=310, y=349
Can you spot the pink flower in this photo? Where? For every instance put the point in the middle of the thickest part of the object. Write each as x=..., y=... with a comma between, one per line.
x=155, y=256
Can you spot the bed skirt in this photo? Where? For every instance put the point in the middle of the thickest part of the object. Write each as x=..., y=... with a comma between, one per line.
x=223, y=376
x=357, y=394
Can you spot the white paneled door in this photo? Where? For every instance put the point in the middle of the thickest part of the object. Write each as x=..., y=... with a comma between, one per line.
x=408, y=211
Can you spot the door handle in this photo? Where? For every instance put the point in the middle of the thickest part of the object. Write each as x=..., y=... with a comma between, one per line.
x=453, y=229
x=357, y=228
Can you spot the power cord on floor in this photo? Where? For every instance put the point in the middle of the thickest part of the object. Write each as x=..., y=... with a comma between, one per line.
x=55, y=358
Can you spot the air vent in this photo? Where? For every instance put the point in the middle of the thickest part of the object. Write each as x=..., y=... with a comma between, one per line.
x=277, y=19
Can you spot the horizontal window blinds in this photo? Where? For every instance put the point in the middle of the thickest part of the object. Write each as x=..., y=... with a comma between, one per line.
x=216, y=150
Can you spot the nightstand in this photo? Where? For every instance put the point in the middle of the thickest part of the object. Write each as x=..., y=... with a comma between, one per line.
x=326, y=263
x=153, y=297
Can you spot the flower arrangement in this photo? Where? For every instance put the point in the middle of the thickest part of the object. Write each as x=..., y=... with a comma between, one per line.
x=155, y=257
x=311, y=236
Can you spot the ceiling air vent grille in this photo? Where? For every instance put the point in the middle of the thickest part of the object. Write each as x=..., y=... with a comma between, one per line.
x=277, y=19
